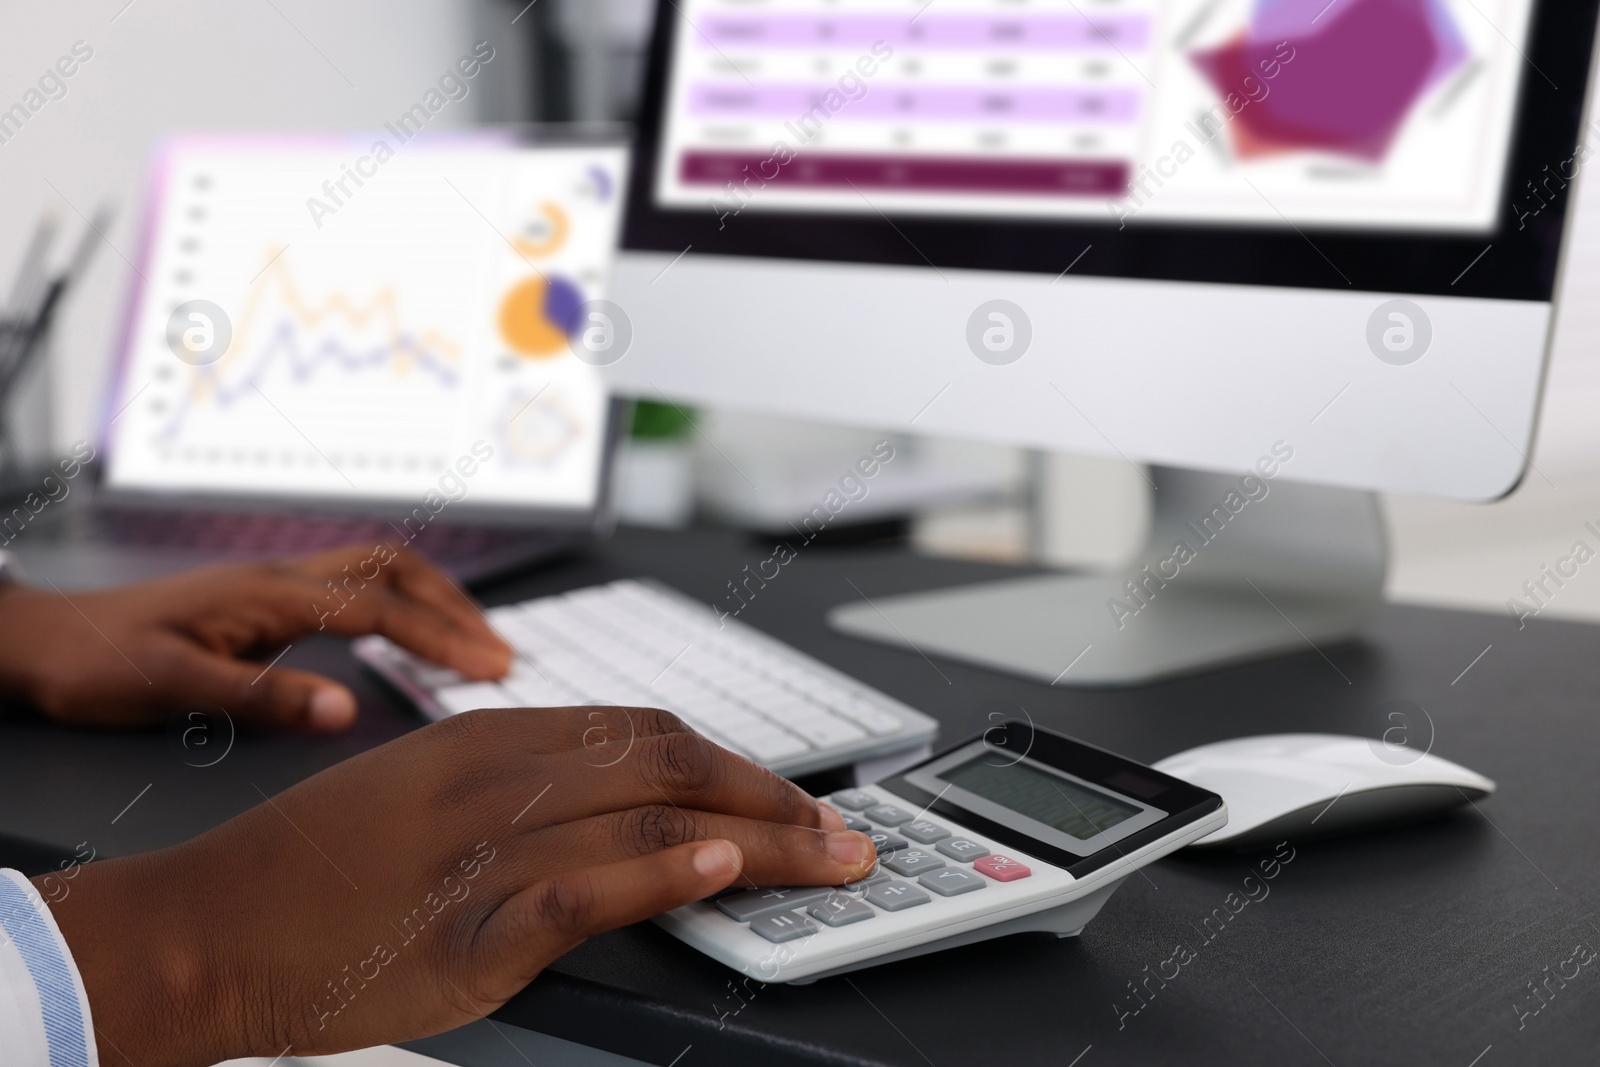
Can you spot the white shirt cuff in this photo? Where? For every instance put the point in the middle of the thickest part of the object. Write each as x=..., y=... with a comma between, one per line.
x=44, y=1012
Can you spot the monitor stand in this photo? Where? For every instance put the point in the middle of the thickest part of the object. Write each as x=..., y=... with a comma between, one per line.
x=1223, y=578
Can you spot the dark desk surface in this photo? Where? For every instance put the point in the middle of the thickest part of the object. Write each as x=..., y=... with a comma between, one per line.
x=1410, y=946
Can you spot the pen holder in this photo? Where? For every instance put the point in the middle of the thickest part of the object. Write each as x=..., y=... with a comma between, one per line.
x=26, y=401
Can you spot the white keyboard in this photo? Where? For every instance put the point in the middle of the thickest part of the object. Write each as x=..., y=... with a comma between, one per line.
x=639, y=644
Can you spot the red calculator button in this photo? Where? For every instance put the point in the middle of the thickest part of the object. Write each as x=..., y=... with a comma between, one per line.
x=1001, y=868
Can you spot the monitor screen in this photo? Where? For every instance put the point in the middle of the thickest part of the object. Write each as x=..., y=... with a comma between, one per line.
x=352, y=318
x=1374, y=113
x=1373, y=145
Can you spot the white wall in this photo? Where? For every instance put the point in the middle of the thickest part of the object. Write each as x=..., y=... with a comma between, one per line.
x=163, y=66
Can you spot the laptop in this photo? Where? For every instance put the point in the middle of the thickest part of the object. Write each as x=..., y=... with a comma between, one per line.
x=367, y=337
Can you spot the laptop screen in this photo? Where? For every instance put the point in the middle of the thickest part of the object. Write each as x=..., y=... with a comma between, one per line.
x=374, y=318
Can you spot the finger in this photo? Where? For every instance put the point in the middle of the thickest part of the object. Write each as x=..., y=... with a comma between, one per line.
x=270, y=696
x=408, y=579
x=603, y=734
x=420, y=580
x=774, y=853
x=550, y=917
x=377, y=609
x=683, y=768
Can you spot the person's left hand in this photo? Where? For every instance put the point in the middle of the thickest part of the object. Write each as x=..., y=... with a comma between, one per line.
x=129, y=656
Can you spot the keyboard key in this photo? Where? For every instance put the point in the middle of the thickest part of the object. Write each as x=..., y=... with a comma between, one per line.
x=534, y=690
x=862, y=885
x=896, y=896
x=912, y=861
x=474, y=695
x=784, y=926
x=888, y=815
x=924, y=832
x=883, y=723
x=857, y=824
x=959, y=848
x=505, y=614
x=840, y=910
x=822, y=729
x=752, y=904
x=853, y=799
x=875, y=719
x=1002, y=868
x=952, y=881
x=885, y=842
x=432, y=678
x=766, y=744
x=729, y=717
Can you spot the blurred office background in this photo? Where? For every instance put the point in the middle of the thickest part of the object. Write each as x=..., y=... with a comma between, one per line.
x=161, y=66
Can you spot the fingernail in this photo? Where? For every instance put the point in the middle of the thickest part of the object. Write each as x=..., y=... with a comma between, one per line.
x=717, y=859
x=848, y=846
x=830, y=819
x=494, y=662
x=332, y=708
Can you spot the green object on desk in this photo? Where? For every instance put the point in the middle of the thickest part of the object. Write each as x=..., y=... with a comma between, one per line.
x=655, y=421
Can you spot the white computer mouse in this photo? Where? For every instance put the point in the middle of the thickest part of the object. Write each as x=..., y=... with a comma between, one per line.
x=1294, y=786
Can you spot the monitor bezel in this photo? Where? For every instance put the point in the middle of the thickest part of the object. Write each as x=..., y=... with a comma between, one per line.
x=1518, y=259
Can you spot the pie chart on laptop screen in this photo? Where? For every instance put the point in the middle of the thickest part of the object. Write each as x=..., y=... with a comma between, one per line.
x=539, y=314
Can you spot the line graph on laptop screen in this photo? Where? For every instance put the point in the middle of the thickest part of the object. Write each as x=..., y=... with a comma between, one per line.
x=366, y=320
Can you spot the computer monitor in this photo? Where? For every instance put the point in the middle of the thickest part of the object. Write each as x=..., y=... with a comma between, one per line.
x=1308, y=246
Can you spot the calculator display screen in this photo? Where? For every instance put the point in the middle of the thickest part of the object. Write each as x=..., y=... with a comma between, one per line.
x=1033, y=796
x=1046, y=798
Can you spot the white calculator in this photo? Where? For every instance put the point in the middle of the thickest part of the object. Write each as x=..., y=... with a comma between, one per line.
x=1019, y=830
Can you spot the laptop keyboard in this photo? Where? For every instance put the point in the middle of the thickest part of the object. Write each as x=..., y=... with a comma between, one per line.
x=636, y=644
x=277, y=533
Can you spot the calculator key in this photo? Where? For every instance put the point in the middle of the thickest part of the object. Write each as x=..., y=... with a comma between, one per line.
x=885, y=842
x=959, y=848
x=896, y=896
x=857, y=824
x=924, y=832
x=1002, y=868
x=888, y=815
x=952, y=881
x=861, y=885
x=752, y=904
x=912, y=861
x=853, y=799
x=840, y=910
x=784, y=926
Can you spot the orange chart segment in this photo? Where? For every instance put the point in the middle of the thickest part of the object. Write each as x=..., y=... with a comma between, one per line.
x=544, y=235
x=538, y=315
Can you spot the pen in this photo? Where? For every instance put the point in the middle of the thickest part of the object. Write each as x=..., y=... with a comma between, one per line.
x=98, y=224
x=30, y=273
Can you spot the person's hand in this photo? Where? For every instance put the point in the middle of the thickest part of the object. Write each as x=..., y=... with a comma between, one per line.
x=417, y=887
x=128, y=656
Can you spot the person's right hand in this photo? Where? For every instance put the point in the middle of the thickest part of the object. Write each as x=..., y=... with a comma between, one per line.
x=418, y=886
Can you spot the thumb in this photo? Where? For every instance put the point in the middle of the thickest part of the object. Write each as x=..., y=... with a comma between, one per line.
x=549, y=918
x=272, y=696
